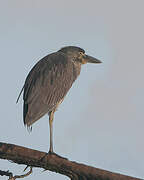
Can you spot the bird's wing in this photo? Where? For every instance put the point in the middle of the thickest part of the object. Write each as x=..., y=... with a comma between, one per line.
x=46, y=85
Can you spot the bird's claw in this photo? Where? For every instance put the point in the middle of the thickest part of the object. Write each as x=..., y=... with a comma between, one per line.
x=53, y=153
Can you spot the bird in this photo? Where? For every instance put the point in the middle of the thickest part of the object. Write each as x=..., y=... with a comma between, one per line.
x=49, y=81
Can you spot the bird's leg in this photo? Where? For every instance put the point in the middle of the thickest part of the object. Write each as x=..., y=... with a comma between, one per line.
x=51, y=152
x=51, y=116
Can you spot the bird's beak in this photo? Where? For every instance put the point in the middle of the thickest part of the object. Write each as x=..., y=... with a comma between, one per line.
x=90, y=59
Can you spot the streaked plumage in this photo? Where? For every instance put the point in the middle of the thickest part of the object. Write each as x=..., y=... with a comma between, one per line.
x=49, y=81
x=46, y=85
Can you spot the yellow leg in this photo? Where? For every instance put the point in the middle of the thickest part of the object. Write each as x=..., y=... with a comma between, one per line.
x=51, y=116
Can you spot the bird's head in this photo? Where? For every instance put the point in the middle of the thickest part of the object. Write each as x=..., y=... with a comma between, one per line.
x=78, y=55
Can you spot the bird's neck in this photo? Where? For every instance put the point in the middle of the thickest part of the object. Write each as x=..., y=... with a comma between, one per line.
x=77, y=69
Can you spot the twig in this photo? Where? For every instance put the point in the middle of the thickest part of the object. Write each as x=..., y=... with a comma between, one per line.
x=6, y=173
x=21, y=176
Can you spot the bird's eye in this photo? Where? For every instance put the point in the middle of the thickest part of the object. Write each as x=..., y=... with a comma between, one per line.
x=81, y=53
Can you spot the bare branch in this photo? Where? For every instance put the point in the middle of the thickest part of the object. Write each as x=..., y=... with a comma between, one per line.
x=6, y=173
x=21, y=176
x=54, y=162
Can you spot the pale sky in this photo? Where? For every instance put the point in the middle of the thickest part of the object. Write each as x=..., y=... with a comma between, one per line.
x=100, y=122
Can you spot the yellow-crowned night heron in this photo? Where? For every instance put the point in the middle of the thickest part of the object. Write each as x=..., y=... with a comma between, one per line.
x=49, y=81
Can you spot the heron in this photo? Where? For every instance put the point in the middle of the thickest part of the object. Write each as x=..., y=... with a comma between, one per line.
x=48, y=83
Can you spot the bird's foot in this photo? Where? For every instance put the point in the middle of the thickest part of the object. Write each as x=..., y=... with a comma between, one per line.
x=52, y=154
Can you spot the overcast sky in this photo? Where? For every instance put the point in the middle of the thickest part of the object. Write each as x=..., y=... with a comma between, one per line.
x=100, y=122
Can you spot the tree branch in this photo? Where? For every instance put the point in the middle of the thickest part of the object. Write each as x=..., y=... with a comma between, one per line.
x=54, y=162
x=6, y=173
